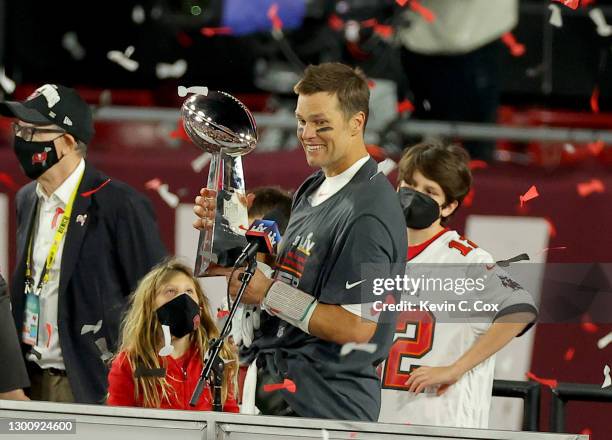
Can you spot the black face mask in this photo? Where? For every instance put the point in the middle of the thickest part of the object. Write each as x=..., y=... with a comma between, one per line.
x=35, y=157
x=420, y=210
x=182, y=315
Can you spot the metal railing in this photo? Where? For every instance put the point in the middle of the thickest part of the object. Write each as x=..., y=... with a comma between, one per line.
x=529, y=392
x=564, y=392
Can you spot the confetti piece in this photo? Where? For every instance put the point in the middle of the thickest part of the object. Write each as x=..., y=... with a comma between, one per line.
x=573, y=4
x=91, y=328
x=516, y=49
x=123, y=59
x=351, y=31
x=167, y=349
x=569, y=354
x=595, y=100
x=402, y=3
x=427, y=14
x=324, y=434
x=70, y=42
x=58, y=212
x=201, y=161
x=7, y=84
x=347, y=348
x=49, y=328
x=558, y=248
x=469, y=198
x=335, y=23
x=8, y=181
x=180, y=132
x=595, y=148
x=531, y=194
x=138, y=14
x=103, y=347
x=95, y=190
x=369, y=23
x=405, y=106
x=587, y=325
x=607, y=380
x=222, y=314
x=277, y=23
x=587, y=188
x=555, y=16
x=287, y=384
x=174, y=70
x=153, y=184
x=212, y=31
x=184, y=91
x=552, y=383
x=586, y=431
x=387, y=166
x=478, y=165
x=371, y=84
x=598, y=17
x=162, y=189
x=603, y=342
x=384, y=31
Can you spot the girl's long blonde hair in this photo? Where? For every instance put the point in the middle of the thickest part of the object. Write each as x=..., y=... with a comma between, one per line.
x=142, y=337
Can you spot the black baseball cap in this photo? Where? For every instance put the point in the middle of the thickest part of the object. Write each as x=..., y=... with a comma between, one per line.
x=54, y=104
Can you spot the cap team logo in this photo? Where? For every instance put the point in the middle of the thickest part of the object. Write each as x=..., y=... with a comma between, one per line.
x=40, y=158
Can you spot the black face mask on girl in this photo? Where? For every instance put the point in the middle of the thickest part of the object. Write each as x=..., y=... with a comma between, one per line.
x=420, y=210
x=35, y=157
x=182, y=315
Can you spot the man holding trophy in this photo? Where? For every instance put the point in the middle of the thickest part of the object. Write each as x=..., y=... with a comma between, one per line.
x=344, y=218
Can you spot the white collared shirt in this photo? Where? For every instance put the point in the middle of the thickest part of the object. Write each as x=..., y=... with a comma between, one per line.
x=331, y=185
x=50, y=212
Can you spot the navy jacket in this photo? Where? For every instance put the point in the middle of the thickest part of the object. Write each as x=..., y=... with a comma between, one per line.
x=105, y=254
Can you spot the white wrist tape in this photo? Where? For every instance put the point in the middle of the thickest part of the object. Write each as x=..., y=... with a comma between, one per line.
x=290, y=304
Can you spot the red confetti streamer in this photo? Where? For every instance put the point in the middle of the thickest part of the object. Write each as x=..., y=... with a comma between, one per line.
x=179, y=133
x=586, y=431
x=595, y=148
x=573, y=4
x=153, y=184
x=58, y=212
x=371, y=84
x=552, y=383
x=531, y=194
x=469, y=198
x=589, y=327
x=222, y=314
x=427, y=14
x=516, y=49
x=595, y=100
x=369, y=23
x=335, y=22
x=95, y=190
x=8, y=181
x=49, y=328
x=478, y=165
x=569, y=354
x=287, y=384
x=277, y=23
x=558, y=248
x=587, y=188
x=384, y=30
x=405, y=106
x=401, y=3
x=212, y=31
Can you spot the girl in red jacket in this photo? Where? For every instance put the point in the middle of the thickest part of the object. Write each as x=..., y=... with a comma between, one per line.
x=164, y=338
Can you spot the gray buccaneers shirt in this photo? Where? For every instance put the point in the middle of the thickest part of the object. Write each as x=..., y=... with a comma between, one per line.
x=324, y=252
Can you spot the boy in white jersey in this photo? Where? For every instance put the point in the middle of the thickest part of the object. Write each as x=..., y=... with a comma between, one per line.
x=440, y=372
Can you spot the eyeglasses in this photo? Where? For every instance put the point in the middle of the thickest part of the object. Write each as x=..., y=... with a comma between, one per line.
x=27, y=132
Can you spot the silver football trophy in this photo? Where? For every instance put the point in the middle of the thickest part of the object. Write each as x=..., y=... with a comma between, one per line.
x=223, y=126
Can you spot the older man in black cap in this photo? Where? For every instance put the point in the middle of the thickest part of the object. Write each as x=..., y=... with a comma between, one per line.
x=83, y=242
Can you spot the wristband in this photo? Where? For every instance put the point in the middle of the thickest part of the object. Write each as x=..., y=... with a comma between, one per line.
x=290, y=304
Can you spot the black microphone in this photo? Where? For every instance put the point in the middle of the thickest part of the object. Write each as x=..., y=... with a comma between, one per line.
x=263, y=236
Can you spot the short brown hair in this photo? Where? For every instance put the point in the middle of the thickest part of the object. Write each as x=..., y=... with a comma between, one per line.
x=348, y=84
x=268, y=199
x=446, y=164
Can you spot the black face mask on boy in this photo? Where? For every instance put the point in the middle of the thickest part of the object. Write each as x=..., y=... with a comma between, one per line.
x=420, y=210
x=182, y=315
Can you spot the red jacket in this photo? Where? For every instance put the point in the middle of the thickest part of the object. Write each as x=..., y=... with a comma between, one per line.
x=182, y=374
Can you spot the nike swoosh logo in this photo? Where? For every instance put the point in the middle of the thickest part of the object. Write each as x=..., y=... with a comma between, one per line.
x=351, y=285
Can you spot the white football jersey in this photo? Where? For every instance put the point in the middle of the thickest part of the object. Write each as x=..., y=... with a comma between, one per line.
x=425, y=338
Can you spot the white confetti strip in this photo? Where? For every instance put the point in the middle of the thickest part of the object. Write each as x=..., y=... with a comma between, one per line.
x=555, y=16
x=123, y=59
x=103, y=347
x=603, y=342
x=91, y=328
x=7, y=84
x=324, y=434
x=347, y=348
x=138, y=14
x=387, y=166
x=70, y=42
x=200, y=162
x=174, y=70
x=603, y=28
x=167, y=349
x=171, y=199
x=607, y=380
x=183, y=91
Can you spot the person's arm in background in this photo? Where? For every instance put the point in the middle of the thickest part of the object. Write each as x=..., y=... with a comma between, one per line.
x=14, y=376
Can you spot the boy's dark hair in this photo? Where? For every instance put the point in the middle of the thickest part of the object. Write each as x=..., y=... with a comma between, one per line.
x=446, y=164
x=269, y=198
x=348, y=84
